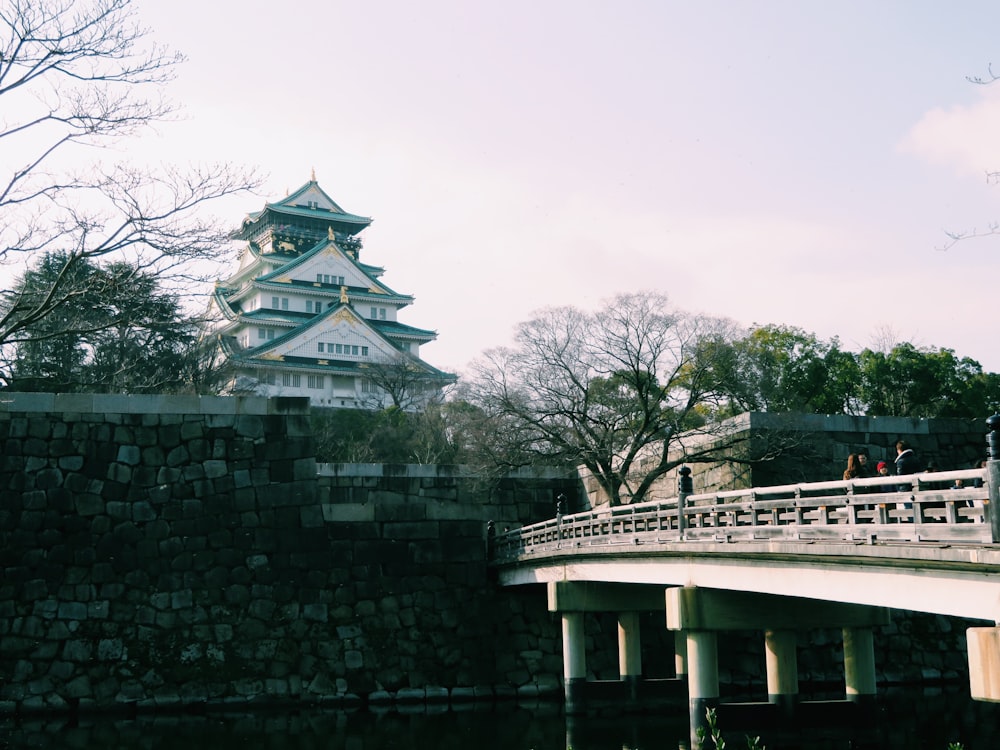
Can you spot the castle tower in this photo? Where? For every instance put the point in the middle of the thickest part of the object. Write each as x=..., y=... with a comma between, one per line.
x=304, y=316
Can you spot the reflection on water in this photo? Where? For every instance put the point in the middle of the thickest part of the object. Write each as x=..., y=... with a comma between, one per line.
x=907, y=719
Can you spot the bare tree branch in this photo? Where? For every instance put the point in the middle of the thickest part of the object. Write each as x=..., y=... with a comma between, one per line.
x=82, y=73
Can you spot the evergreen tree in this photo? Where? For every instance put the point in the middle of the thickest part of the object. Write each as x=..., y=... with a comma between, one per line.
x=113, y=331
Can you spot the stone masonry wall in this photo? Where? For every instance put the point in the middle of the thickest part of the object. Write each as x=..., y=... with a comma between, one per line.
x=173, y=551
x=169, y=552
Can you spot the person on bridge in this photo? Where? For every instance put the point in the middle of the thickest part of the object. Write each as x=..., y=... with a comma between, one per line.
x=864, y=468
x=853, y=470
x=906, y=463
x=906, y=460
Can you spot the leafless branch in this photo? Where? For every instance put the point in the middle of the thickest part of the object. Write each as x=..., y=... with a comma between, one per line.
x=79, y=73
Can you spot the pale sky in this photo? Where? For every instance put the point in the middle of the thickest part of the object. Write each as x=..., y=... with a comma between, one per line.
x=791, y=163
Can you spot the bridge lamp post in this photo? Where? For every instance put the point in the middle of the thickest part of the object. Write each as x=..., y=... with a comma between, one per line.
x=984, y=643
x=685, y=487
x=993, y=474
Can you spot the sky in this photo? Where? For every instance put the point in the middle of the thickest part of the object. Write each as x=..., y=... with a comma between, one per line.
x=792, y=163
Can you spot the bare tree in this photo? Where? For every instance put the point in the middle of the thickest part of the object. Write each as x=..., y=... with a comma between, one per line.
x=402, y=382
x=629, y=392
x=78, y=74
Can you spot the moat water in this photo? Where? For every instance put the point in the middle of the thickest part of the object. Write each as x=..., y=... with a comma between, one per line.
x=911, y=719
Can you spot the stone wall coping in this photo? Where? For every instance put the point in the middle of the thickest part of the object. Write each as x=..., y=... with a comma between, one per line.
x=118, y=403
x=423, y=471
x=902, y=426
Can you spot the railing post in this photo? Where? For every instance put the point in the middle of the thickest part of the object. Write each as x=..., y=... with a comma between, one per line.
x=993, y=475
x=685, y=487
x=560, y=508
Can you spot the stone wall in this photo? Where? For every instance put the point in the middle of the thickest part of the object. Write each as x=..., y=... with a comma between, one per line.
x=168, y=552
x=174, y=551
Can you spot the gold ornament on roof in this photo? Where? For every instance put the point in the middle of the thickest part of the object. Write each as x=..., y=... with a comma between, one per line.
x=329, y=233
x=344, y=316
x=343, y=295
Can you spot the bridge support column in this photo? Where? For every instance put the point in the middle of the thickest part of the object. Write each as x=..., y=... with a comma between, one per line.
x=984, y=663
x=781, y=658
x=859, y=664
x=680, y=653
x=630, y=653
x=703, y=677
x=574, y=662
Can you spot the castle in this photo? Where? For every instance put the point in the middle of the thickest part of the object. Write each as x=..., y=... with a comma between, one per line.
x=304, y=316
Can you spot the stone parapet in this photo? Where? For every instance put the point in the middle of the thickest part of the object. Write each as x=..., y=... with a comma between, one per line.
x=113, y=403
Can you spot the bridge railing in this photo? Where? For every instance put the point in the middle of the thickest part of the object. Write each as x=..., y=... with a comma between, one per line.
x=915, y=508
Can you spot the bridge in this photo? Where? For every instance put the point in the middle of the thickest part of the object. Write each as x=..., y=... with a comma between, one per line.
x=773, y=559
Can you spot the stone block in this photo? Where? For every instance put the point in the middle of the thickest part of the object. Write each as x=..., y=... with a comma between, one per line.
x=311, y=516
x=393, y=512
x=410, y=530
x=428, y=551
x=215, y=468
x=348, y=512
x=249, y=426
x=28, y=402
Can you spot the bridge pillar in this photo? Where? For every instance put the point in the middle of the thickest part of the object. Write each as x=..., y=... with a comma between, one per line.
x=630, y=653
x=781, y=658
x=859, y=664
x=703, y=678
x=984, y=663
x=993, y=474
x=574, y=662
x=680, y=653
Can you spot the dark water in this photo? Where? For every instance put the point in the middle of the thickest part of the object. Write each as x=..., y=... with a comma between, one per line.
x=906, y=719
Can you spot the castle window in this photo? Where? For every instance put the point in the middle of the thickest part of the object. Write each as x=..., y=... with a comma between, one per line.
x=354, y=351
x=275, y=303
x=364, y=351
x=374, y=313
x=261, y=334
x=315, y=381
x=291, y=379
x=381, y=313
x=320, y=345
x=340, y=348
x=284, y=303
x=266, y=377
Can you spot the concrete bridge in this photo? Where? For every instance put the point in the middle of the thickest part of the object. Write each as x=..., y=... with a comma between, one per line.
x=777, y=560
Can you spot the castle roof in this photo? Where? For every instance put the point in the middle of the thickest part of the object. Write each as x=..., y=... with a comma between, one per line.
x=383, y=330
x=310, y=202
